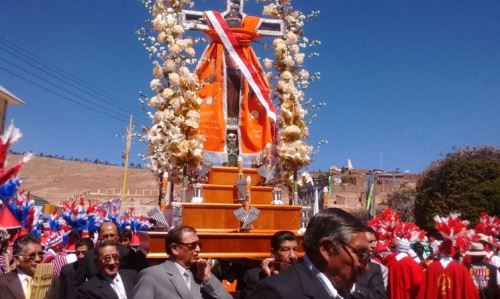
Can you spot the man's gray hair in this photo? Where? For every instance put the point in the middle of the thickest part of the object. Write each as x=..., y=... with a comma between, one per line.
x=333, y=222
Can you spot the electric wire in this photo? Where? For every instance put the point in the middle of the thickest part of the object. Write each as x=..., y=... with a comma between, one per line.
x=68, y=76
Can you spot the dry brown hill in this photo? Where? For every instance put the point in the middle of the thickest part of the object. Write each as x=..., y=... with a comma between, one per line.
x=56, y=179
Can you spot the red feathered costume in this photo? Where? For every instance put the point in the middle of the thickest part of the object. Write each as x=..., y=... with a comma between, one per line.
x=405, y=277
x=452, y=282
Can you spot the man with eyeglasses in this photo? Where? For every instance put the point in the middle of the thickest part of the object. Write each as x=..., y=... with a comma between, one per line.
x=184, y=275
x=67, y=284
x=28, y=254
x=129, y=259
x=337, y=252
x=284, y=252
x=371, y=282
x=111, y=282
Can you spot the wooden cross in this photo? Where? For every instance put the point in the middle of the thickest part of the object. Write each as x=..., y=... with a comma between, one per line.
x=233, y=15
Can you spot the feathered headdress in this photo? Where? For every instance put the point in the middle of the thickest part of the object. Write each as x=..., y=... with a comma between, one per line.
x=454, y=229
x=488, y=225
x=385, y=224
x=11, y=136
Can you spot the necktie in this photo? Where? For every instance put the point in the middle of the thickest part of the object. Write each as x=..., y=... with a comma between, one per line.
x=187, y=278
x=28, y=287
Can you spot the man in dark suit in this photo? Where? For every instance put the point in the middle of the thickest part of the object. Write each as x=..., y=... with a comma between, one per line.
x=284, y=252
x=129, y=259
x=184, y=275
x=337, y=251
x=110, y=282
x=67, y=285
x=27, y=255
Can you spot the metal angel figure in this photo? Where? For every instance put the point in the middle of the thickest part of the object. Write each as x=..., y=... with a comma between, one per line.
x=246, y=215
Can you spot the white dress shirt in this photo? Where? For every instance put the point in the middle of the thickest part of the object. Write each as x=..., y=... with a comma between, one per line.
x=24, y=278
x=185, y=274
x=118, y=286
x=322, y=278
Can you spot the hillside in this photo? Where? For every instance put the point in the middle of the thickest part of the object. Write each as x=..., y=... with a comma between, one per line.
x=56, y=179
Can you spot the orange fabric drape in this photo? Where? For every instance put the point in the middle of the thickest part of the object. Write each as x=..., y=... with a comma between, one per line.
x=256, y=130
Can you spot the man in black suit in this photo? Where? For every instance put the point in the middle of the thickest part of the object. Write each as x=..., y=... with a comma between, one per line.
x=28, y=254
x=110, y=282
x=67, y=286
x=129, y=259
x=337, y=251
x=284, y=252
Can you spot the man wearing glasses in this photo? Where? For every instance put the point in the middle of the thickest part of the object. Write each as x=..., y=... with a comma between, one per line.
x=28, y=254
x=129, y=259
x=337, y=252
x=111, y=281
x=184, y=275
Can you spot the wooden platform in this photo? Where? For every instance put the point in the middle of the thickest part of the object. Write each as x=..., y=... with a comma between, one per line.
x=218, y=244
x=218, y=228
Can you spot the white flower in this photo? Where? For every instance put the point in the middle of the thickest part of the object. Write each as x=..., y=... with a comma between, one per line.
x=170, y=65
x=291, y=38
x=168, y=93
x=174, y=79
x=304, y=74
x=299, y=58
x=268, y=63
x=170, y=20
x=158, y=22
x=294, y=49
x=155, y=85
x=190, y=51
x=177, y=30
x=286, y=75
x=193, y=114
x=192, y=123
x=174, y=49
x=155, y=101
x=288, y=61
x=183, y=71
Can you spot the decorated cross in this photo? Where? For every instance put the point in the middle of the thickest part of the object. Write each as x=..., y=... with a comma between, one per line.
x=244, y=128
x=234, y=14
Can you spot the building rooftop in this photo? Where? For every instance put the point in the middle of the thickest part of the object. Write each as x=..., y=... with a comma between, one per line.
x=9, y=97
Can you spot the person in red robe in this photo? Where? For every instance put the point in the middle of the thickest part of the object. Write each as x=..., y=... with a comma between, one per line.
x=448, y=279
x=405, y=275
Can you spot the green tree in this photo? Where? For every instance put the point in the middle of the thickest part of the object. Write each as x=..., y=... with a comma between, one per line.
x=467, y=181
x=403, y=202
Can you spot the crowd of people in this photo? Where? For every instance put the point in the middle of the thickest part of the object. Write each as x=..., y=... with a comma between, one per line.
x=343, y=258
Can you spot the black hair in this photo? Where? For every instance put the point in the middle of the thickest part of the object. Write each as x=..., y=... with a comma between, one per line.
x=174, y=235
x=280, y=236
x=103, y=244
x=125, y=234
x=23, y=241
x=85, y=242
x=332, y=222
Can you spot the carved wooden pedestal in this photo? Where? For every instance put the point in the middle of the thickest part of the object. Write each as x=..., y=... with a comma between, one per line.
x=216, y=224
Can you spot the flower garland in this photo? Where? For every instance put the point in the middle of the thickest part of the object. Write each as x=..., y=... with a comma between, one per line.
x=292, y=79
x=174, y=139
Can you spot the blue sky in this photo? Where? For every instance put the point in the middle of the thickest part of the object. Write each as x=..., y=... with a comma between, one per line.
x=405, y=81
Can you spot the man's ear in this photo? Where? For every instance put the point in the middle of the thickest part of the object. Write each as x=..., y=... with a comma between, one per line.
x=173, y=248
x=326, y=247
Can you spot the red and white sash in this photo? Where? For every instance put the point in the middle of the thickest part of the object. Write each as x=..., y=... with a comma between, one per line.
x=233, y=47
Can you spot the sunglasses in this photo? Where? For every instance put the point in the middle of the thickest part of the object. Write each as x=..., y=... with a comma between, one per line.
x=362, y=255
x=32, y=256
x=107, y=258
x=192, y=245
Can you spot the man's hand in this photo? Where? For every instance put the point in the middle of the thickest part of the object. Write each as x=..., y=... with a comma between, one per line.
x=203, y=270
x=268, y=266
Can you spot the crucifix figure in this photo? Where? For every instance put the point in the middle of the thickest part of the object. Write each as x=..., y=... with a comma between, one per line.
x=237, y=117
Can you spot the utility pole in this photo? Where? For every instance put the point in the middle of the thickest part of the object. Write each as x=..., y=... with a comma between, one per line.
x=125, y=156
